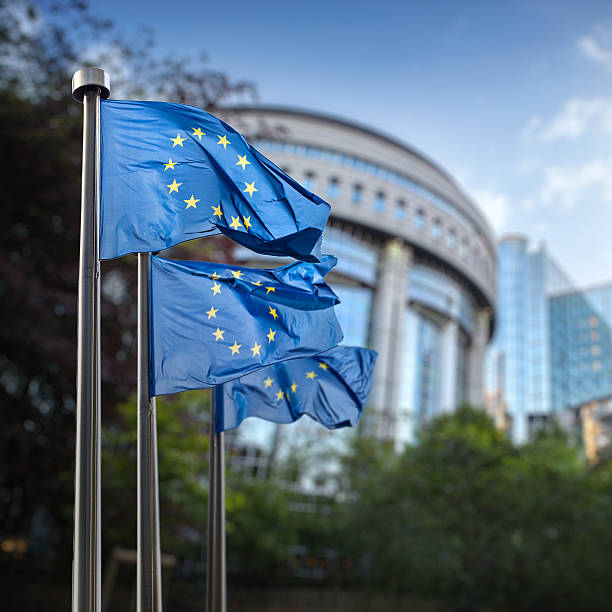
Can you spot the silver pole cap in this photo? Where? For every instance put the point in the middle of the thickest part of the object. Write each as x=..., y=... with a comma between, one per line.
x=88, y=78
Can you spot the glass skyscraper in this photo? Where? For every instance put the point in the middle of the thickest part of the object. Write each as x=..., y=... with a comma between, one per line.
x=581, y=347
x=519, y=364
x=552, y=349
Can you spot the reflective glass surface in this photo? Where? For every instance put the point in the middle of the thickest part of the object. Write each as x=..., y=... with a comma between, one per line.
x=308, y=181
x=436, y=229
x=354, y=313
x=400, y=210
x=419, y=220
x=439, y=292
x=420, y=379
x=518, y=364
x=581, y=347
x=356, y=259
x=332, y=188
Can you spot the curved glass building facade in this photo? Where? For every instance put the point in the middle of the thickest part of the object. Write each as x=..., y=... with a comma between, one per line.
x=417, y=262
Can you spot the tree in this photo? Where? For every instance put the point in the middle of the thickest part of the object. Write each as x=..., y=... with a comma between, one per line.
x=467, y=517
x=41, y=132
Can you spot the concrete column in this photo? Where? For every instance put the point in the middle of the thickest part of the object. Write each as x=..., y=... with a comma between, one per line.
x=449, y=348
x=476, y=355
x=387, y=334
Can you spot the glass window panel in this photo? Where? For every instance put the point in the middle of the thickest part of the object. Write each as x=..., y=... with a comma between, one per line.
x=419, y=219
x=400, y=210
x=332, y=187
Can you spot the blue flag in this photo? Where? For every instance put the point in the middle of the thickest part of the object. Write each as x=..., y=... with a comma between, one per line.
x=331, y=388
x=171, y=173
x=211, y=323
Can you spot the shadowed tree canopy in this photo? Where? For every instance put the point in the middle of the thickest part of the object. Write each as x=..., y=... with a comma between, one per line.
x=41, y=135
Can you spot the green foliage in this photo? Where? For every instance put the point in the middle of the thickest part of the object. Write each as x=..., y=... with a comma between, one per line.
x=183, y=443
x=470, y=518
x=261, y=529
x=41, y=134
x=464, y=517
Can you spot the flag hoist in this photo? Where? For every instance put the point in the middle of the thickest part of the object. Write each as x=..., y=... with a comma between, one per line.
x=89, y=85
x=148, y=548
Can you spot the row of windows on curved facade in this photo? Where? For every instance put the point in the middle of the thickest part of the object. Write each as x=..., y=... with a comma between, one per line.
x=421, y=220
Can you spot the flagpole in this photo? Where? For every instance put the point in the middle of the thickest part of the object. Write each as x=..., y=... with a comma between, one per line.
x=88, y=86
x=148, y=561
x=216, y=592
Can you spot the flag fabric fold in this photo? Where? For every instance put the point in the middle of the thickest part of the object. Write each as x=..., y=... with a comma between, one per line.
x=331, y=388
x=211, y=323
x=171, y=173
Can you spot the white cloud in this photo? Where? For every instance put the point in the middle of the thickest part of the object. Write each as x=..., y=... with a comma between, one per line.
x=567, y=185
x=575, y=118
x=528, y=203
x=531, y=127
x=495, y=205
x=598, y=48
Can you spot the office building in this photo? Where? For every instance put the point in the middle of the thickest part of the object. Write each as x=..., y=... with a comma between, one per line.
x=417, y=265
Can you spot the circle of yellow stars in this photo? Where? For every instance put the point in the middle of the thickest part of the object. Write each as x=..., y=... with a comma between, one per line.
x=219, y=334
x=237, y=223
x=287, y=394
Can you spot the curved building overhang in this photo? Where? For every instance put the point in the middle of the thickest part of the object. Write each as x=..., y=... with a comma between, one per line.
x=439, y=220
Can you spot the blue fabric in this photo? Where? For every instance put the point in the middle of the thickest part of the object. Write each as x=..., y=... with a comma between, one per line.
x=144, y=210
x=331, y=388
x=199, y=310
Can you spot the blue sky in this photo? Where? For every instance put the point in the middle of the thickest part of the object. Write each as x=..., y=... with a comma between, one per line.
x=513, y=98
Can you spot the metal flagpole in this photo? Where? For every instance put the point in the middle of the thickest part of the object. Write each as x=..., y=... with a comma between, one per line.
x=88, y=86
x=216, y=592
x=148, y=563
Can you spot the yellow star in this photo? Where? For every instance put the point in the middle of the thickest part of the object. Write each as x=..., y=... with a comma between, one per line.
x=293, y=388
x=217, y=212
x=235, y=223
x=177, y=141
x=280, y=395
x=311, y=375
x=323, y=366
x=287, y=395
x=170, y=165
x=216, y=288
x=273, y=312
x=237, y=273
x=223, y=141
x=268, y=383
x=173, y=186
x=268, y=289
x=250, y=188
x=191, y=202
x=235, y=348
x=256, y=283
x=255, y=349
x=214, y=275
x=198, y=132
x=242, y=161
x=218, y=334
x=212, y=312
x=271, y=335
x=247, y=222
